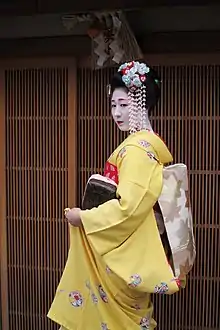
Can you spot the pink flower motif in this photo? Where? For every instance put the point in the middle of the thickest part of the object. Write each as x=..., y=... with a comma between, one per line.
x=75, y=298
x=161, y=288
x=145, y=323
x=135, y=280
x=104, y=326
x=136, y=307
x=102, y=294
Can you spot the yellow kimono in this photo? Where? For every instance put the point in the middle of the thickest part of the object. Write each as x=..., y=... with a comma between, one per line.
x=116, y=259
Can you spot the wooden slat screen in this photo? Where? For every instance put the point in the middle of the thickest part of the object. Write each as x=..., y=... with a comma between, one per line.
x=188, y=118
x=37, y=116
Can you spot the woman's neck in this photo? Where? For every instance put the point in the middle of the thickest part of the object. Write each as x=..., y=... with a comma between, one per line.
x=144, y=124
x=148, y=124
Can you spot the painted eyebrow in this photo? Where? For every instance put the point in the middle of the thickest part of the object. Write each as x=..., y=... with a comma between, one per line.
x=120, y=100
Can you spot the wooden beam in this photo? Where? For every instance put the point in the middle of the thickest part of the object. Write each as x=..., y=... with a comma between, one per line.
x=29, y=7
x=80, y=46
x=18, y=7
x=76, y=46
x=99, y=5
x=180, y=42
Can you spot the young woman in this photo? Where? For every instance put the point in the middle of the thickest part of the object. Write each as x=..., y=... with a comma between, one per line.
x=117, y=258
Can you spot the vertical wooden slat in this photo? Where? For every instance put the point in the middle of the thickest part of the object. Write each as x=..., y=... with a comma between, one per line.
x=188, y=118
x=72, y=143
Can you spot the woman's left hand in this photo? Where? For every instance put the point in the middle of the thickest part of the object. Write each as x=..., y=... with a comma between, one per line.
x=73, y=216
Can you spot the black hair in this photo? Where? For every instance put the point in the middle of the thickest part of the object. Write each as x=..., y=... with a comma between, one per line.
x=152, y=84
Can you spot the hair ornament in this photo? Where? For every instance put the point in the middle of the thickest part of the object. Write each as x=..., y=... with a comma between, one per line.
x=157, y=81
x=134, y=74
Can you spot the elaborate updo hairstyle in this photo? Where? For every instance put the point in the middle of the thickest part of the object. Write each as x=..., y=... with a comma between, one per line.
x=151, y=82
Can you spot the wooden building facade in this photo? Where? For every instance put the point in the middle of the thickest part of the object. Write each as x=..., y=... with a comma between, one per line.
x=56, y=129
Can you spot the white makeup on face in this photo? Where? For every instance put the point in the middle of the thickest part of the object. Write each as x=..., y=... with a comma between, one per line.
x=120, y=108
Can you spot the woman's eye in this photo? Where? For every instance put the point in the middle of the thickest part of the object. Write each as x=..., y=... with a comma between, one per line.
x=123, y=105
x=113, y=105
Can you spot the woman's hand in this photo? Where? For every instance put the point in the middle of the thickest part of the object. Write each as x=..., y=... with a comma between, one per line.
x=73, y=216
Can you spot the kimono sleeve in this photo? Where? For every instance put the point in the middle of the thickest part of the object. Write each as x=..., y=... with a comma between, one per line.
x=140, y=184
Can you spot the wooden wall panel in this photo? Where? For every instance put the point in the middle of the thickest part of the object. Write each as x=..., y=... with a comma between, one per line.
x=188, y=118
x=38, y=126
x=3, y=244
x=39, y=132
